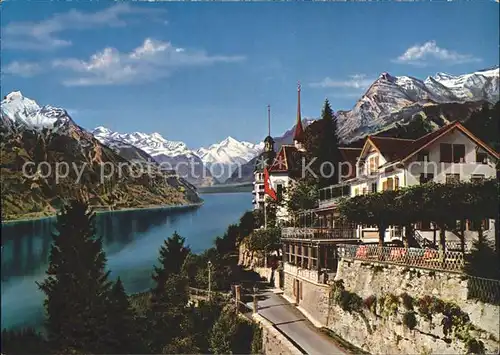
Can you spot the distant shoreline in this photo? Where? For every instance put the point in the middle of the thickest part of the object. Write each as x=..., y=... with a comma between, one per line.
x=229, y=188
x=127, y=209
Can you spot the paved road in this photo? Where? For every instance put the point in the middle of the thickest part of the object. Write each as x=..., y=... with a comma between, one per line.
x=295, y=325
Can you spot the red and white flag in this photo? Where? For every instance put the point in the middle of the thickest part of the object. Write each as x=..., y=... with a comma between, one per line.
x=268, y=190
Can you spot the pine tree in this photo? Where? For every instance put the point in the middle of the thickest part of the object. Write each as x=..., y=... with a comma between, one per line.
x=168, y=313
x=322, y=142
x=173, y=253
x=77, y=285
x=169, y=295
x=124, y=335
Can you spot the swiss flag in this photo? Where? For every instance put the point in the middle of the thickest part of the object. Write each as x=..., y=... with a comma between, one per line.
x=268, y=190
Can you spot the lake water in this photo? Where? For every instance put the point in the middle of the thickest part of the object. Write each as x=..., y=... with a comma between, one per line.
x=131, y=240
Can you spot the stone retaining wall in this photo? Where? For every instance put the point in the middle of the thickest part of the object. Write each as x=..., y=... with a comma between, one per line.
x=313, y=297
x=273, y=342
x=382, y=335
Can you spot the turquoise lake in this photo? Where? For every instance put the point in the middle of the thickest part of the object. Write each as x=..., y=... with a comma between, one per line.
x=131, y=241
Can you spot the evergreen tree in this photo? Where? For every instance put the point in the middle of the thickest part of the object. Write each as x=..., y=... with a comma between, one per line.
x=231, y=334
x=24, y=341
x=169, y=296
x=168, y=313
x=322, y=144
x=77, y=285
x=173, y=253
x=125, y=335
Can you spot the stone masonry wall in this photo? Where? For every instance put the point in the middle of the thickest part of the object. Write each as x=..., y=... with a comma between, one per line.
x=382, y=335
x=314, y=297
x=273, y=342
x=366, y=279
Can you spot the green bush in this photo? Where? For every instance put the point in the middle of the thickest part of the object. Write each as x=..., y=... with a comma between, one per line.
x=475, y=346
x=407, y=301
x=409, y=320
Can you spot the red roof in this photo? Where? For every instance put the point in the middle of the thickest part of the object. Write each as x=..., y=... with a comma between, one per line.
x=349, y=155
x=288, y=160
x=389, y=147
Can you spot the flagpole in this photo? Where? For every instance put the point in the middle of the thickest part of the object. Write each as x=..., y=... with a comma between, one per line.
x=265, y=213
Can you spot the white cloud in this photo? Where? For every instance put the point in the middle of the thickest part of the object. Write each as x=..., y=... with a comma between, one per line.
x=356, y=81
x=151, y=61
x=23, y=69
x=44, y=35
x=421, y=55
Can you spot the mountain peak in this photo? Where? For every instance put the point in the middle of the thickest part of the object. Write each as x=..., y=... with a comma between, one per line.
x=158, y=136
x=101, y=130
x=386, y=76
x=14, y=95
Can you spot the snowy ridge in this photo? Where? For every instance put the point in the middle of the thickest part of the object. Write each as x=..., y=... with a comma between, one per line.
x=229, y=151
x=26, y=113
x=153, y=144
x=392, y=98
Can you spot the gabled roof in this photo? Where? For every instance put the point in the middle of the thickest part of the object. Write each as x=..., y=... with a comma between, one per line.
x=349, y=155
x=430, y=138
x=387, y=146
x=288, y=160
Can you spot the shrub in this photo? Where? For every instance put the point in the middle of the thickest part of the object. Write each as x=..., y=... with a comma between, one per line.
x=347, y=300
x=391, y=303
x=409, y=320
x=407, y=301
x=475, y=346
x=370, y=303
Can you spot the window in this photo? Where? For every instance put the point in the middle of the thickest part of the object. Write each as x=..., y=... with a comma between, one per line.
x=373, y=164
x=365, y=190
x=477, y=177
x=458, y=153
x=481, y=157
x=356, y=191
x=374, y=187
x=390, y=184
x=279, y=191
x=426, y=178
x=445, y=152
x=396, y=183
x=452, y=178
x=423, y=155
x=384, y=185
x=452, y=153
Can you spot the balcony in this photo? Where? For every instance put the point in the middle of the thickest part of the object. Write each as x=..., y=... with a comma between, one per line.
x=318, y=233
x=331, y=194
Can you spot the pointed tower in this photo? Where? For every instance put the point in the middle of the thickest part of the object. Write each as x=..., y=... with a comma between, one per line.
x=298, y=135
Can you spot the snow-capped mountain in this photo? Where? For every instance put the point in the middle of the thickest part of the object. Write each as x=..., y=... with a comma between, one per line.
x=224, y=157
x=33, y=134
x=26, y=113
x=172, y=155
x=153, y=144
x=390, y=99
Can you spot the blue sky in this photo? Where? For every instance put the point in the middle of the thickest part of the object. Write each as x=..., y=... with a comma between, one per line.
x=200, y=71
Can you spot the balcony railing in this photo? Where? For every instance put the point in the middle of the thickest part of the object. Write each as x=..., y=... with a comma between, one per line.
x=414, y=257
x=317, y=233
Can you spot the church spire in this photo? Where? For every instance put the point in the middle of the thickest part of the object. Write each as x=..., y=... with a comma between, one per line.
x=298, y=135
